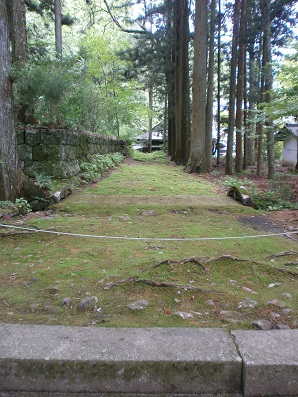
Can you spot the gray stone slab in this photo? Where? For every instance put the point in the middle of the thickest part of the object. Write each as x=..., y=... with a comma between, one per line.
x=270, y=362
x=118, y=360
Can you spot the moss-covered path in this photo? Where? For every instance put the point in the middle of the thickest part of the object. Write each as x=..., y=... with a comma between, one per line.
x=44, y=278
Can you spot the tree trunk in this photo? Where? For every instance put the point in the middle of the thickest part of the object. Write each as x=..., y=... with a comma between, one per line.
x=17, y=29
x=58, y=29
x=240, y=89
x=197, y=160
x=218, y=82
x=231, y=122
x=267, y=70
x=210, y=85
x=10, y=174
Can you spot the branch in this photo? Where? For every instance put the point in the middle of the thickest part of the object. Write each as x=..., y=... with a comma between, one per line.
x=117, y=23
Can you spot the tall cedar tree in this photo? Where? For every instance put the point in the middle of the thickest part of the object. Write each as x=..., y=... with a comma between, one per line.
x=197, y=160
x=233, y=68
x=10, y=174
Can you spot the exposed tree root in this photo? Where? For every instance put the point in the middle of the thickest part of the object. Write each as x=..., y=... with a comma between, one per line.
x=156, y=284
x=169, y=262
x=291, y=272
x=284, y=253
x=200, y=262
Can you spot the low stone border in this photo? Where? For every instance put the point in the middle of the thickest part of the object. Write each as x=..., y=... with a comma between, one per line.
x=147, y=361
x=240, y=193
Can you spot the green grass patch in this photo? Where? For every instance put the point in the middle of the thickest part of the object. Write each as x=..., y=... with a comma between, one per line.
x=40, y=272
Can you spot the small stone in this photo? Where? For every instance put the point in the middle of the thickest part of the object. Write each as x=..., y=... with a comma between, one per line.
x=247, y=304
x=295, y=323
x=282, y=326
x=287, y=311
x=53, y=290
x=262, y=324
x=71, y=285
x=66, y=301
x=210, y=302
x=275, y=315
x=30, y=282
x=183, y=315
x=138, y=305
x=276, y=302
x=233, y=282
x=49, y=307
x=286, y=295
x=273, y=285
x=85, y=304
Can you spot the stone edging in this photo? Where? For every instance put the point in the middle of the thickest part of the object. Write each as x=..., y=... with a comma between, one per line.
x=146, y=361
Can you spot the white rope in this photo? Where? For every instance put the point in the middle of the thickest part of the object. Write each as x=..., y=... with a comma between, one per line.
x=147, y=238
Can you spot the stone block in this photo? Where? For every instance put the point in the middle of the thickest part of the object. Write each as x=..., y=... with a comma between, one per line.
x=118, y=360
x=270, y=362
x=25, y=152
x=32, y=137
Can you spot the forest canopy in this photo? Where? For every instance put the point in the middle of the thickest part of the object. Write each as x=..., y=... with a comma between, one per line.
x=203, y=73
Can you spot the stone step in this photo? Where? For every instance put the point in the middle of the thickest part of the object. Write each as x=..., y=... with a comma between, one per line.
x=58, y=361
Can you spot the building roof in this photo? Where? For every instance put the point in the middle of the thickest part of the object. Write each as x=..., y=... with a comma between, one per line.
x=293, y=128
x=288, y=130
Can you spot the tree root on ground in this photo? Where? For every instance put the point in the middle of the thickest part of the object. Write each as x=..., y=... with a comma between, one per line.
x=200, y=262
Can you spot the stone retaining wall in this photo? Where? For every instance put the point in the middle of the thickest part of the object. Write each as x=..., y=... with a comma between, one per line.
x=58, y=153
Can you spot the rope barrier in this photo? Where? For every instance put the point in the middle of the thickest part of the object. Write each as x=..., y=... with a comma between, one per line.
x=147, y=238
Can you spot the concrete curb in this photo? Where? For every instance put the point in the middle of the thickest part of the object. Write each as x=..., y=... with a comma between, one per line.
x=48, y=361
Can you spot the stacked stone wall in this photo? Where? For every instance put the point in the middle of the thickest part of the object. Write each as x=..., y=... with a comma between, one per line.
x=58, y=153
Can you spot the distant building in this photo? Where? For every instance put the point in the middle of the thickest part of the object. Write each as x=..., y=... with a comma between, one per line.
x=142, y=141
x=289, y=135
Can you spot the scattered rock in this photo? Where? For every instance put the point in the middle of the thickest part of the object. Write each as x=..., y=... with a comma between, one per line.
x=287, y=311
x=247, y=304
x=71, y=285
x=273, y=285
x=30, y=282
x=184, y=315
x=49, y=307
x=53, y=290
x=249, y=290
x=86, y=304
x=138, y=305
x=230, y=314
x=276, y=302
x=262, y=324
x=282, y=326
x=233, y=282
x=66, y=301
x=210, y=302
x=275, y=315
x=286, y=295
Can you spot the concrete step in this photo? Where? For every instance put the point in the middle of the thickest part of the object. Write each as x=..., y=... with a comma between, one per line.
x=51, y=361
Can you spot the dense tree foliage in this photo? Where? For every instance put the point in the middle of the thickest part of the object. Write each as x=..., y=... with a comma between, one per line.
x=121, y=67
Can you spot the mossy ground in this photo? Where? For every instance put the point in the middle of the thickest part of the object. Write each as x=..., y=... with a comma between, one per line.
x=153, y=201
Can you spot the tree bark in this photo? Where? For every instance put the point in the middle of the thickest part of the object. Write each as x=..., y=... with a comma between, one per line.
x=231, y=122
x=10, y=174
x=17, y=29
x=240, y=89
x=58, y=29
x=210, y=85
x=197, y=160
x=267, y=70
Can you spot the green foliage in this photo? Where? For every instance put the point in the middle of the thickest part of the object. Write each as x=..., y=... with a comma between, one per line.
x=159, y=156
x=43, y=181
x=23, y=206
x=98, y=164
x=277, y=197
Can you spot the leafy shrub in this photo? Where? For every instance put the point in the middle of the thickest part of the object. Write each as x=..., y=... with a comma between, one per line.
x=98, y=164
